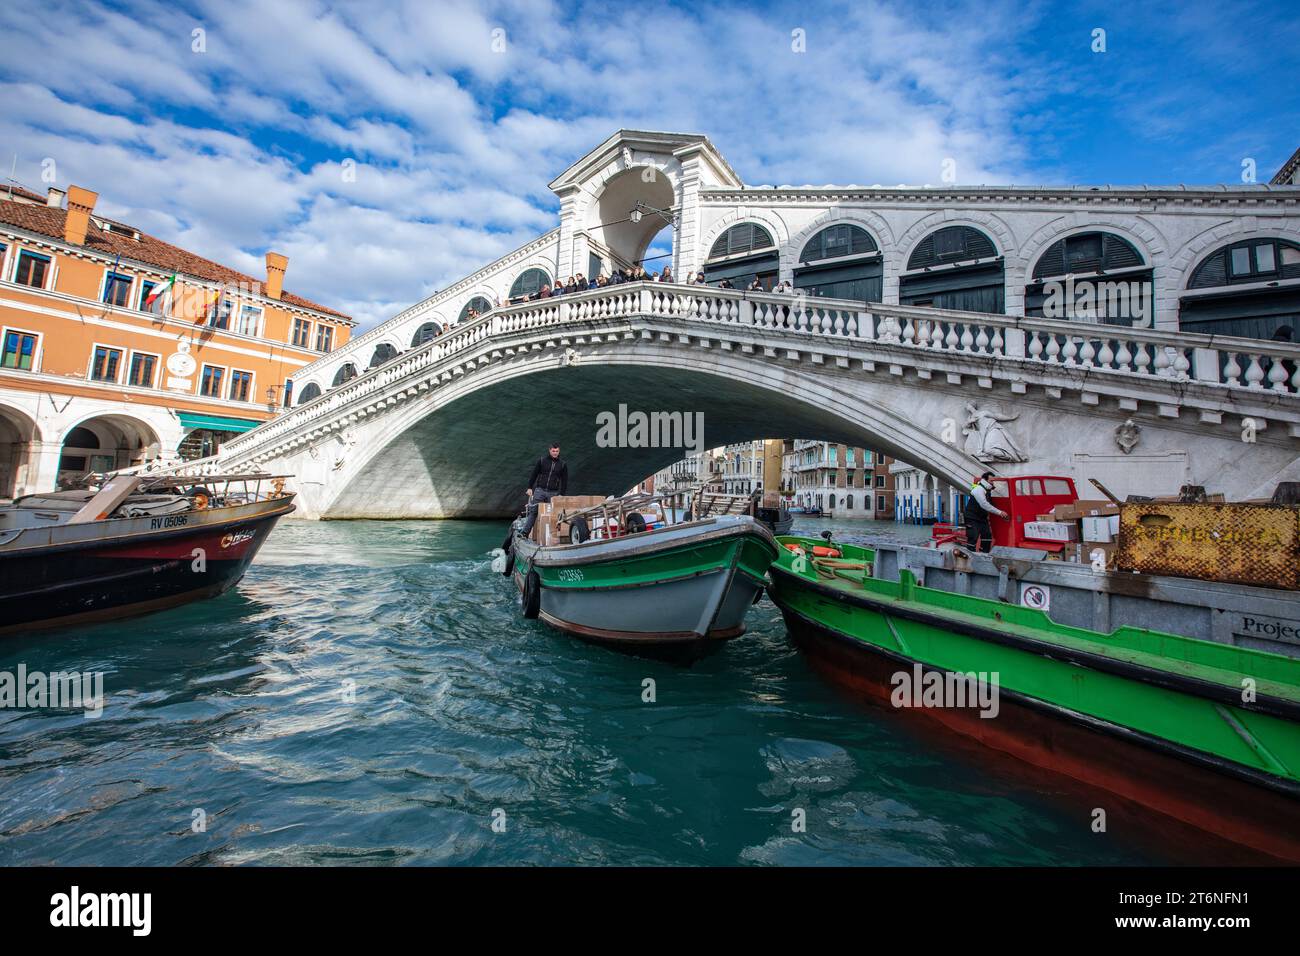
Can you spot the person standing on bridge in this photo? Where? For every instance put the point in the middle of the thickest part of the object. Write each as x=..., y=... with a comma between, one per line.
x=550, y=477
x=979, y=535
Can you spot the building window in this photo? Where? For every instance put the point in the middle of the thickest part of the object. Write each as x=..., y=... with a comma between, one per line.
x=837, y=242
x=880, y=502
x=146, y=286
x=529, y=283
x=19, y=351
x=880, y=481
x=1265, y=259
x=474, y=308
x=741, y=238
x=141, y=372
x=1240, y=261
x=426, y=333
x=1251, y=260
x=221, y=314
x=384, y=352
x=210, y=384
x=301, y=333
x=250, y=320
x=106, y=364
x=288, y=392
x=117, y=289
x=324, y=338
x=32, y=269
x=241, y=385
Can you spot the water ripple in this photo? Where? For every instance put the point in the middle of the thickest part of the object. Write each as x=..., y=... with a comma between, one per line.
x=369, y=695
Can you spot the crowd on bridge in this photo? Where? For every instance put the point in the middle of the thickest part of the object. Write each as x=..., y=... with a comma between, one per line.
x=580, y=283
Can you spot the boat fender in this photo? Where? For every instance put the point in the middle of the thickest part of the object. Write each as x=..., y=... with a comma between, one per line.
x=530, y=599
x=510, y=563
x=794, y=549
x=578, y=530
x=823, y=552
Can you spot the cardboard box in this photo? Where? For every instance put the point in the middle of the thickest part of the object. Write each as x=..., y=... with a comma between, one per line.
x=1100, y=530
x=1106, y=551
x=1051, y=531
x=1084, y=509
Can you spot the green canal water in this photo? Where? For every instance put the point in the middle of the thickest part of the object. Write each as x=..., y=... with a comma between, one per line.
x=370, y=695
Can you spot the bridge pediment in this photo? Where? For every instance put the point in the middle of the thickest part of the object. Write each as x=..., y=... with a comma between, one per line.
x=628, y=148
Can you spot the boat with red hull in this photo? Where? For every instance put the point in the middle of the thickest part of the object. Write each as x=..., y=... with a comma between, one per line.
x=134, y=546
x=1159, y=718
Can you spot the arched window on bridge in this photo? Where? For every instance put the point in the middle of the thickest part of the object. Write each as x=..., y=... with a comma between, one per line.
x=345, y=372
x=310, y=391
x=383, y=353
x=955, y=267
x=1249, y=288
x=530, y=282
x=741, y=254
x=841, y=262
x=1091, y=276
x=478, y=305
x=425, y=333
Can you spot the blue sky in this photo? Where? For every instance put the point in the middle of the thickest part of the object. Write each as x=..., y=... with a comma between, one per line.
x=456, y=115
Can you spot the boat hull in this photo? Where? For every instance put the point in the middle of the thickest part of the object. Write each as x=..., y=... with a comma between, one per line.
x=863, y=645
x=671, y=599
x=68, y=575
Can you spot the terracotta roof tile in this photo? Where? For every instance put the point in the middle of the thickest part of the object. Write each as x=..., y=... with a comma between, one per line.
x=48, y=221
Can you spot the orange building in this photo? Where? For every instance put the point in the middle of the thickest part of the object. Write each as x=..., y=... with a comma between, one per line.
x=117, y=348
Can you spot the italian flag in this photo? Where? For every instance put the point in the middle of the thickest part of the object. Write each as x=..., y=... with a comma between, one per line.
x=157, y=298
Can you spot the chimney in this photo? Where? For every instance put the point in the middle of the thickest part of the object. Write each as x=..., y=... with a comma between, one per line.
x=81, y=203
x=55, y=197
x=275, y=266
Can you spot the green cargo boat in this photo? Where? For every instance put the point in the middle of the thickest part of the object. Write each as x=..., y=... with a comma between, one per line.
x=1207, y=733
x=676, y=592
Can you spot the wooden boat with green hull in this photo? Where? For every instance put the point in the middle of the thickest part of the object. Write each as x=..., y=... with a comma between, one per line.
x=677, y=592
x=1205, y=732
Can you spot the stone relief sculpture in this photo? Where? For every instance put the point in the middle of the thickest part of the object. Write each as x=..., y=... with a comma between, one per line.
x=987, y=437
x=1127, y=435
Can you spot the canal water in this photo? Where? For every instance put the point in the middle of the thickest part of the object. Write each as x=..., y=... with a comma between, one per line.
x=370, y=695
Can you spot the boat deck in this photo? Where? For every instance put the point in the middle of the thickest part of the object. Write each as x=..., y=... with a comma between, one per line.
x=1274, y=676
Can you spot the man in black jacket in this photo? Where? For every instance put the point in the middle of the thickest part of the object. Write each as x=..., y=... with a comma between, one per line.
x=550, y=477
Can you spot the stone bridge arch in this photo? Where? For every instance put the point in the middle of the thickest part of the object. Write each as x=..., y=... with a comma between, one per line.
x=449, y=429
x=438, y=458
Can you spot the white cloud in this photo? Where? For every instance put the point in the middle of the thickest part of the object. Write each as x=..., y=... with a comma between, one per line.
x=238, y=149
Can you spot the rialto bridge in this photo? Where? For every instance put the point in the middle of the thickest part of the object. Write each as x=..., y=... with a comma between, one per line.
x=939, y=325
x=450, y=428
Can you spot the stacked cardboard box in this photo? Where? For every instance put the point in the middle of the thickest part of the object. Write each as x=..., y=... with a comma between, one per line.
x=1052, y=530
x=549, y=530
x=1092, y=527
